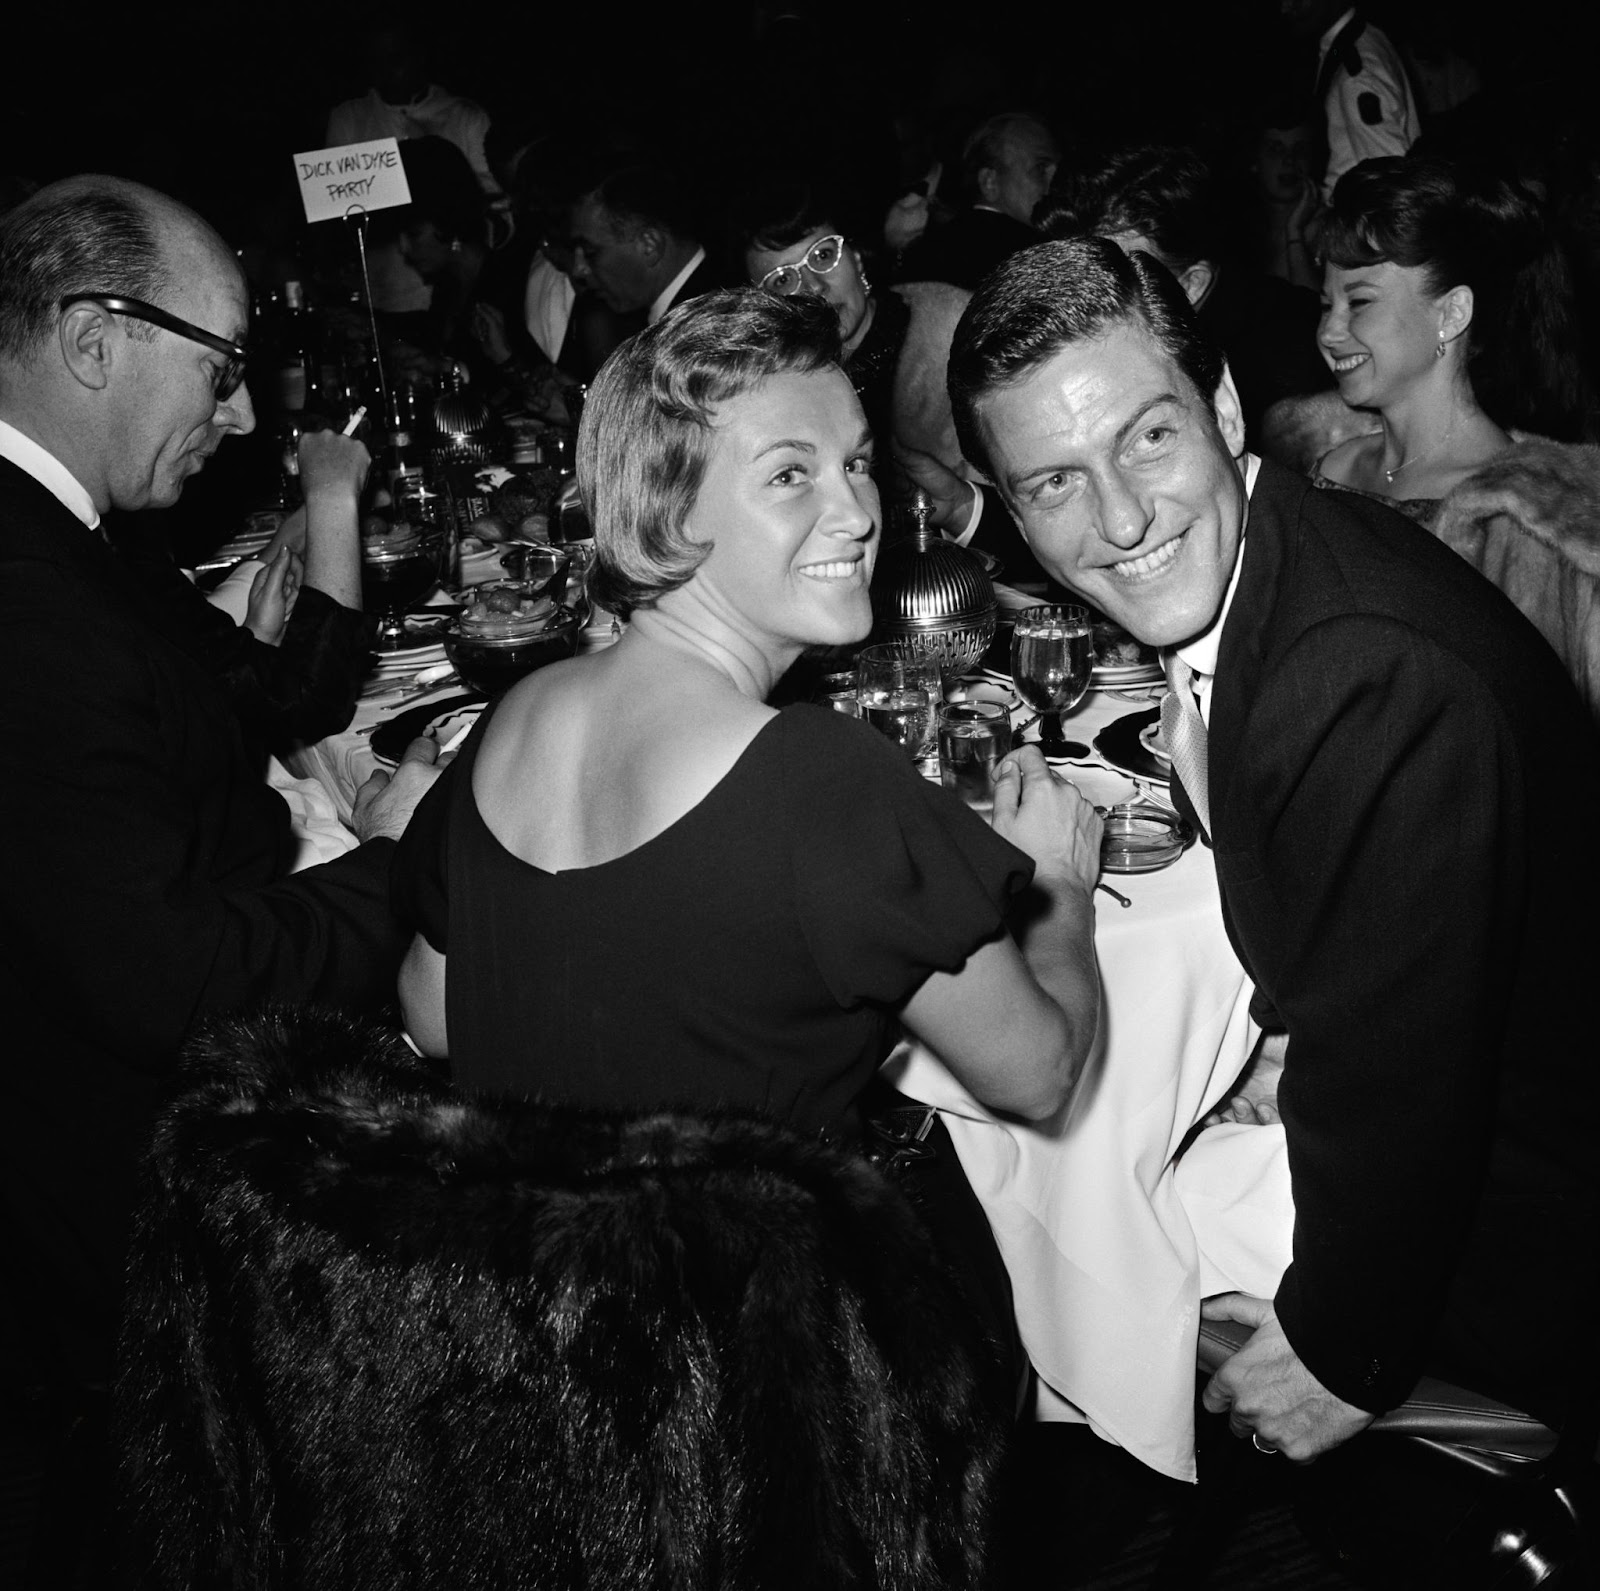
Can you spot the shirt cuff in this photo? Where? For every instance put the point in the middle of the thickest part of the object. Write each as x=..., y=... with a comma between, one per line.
x=974, y=514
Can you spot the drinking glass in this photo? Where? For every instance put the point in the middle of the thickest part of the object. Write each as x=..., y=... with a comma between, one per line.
x=402, y=566
x=973, y=737
x=838, y=691
x=1052, y=657
x=899, y=691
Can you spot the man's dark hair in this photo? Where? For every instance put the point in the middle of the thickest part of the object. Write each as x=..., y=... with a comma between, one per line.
x=1046, y=298
x=73, y=238
x=640, y=196
x=1163, y=192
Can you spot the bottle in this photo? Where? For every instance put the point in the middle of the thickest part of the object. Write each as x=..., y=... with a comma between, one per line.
x=400, y=463
x=294, y=350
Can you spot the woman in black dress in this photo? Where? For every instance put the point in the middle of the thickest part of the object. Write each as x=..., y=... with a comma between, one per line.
x=640, y=886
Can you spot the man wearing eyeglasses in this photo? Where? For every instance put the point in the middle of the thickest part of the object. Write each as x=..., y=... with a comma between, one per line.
x=146, y=860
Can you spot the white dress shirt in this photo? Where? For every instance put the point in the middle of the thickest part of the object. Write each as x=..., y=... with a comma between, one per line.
x=50, y=473
x=664, y=298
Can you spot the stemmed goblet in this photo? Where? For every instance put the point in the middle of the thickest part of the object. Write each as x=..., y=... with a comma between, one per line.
x=1052, y=657
x=401, y=566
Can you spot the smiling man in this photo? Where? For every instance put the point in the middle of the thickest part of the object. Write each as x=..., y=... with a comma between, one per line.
x=1375, y=728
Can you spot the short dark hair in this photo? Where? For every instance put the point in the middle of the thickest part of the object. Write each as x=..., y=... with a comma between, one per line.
x=1164, y=192
x=645, y=195
x=444, y=189
x=645, y=439
x=1464, y=227
x=1052, y=295
x=780, y=214
x=88, y=234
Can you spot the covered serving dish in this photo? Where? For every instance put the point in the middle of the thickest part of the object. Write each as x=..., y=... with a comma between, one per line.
x=934, y=595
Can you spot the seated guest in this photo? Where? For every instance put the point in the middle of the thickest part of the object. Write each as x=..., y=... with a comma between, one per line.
x=1363, y=726
x=1447, y=310
x=635, y=241
x=1007, y=165
x=895, y=342
x=640, y=886
x=291, y=660
x=1164, y=201
x=146, y=859
x=1286, y=193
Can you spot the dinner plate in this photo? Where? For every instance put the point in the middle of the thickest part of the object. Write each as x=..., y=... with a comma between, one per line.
x=1121, y=676
x=983, y=688
x=441, y=719
x=1150, y=739
x=1120, y=744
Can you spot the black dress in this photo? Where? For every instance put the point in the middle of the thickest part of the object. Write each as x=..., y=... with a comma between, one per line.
x=752, y=955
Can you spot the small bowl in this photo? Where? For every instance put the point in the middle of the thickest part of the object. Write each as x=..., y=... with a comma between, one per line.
x=1139, y=838
x=491, y=663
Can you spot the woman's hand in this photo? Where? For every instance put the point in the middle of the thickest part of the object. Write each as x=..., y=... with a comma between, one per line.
x=489, y=327
x=332, y=465
x=1045, y=815
x=272, y=596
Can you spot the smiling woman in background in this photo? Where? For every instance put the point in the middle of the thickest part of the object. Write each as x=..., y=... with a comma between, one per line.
x=1447, y=309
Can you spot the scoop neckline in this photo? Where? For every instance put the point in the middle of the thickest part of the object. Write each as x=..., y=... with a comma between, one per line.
x=655, y=839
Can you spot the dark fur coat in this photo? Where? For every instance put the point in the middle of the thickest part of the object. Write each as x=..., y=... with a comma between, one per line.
x=379, y=1335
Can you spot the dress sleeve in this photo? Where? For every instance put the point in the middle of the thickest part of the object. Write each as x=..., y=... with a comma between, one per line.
x=894, y=877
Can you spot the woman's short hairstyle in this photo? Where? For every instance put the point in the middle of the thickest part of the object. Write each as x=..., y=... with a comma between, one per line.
x=1466, y=228
x=1045, y=299
x=647, y=430
x=779, y=215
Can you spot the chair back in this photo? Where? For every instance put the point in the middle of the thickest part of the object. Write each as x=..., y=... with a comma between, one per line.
x=381, y=1334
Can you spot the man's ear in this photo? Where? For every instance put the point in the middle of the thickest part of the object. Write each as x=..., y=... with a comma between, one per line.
x=1198, y=281
x=988, y=184
x=84, y=338
x=1230, y=413
x=651, y=243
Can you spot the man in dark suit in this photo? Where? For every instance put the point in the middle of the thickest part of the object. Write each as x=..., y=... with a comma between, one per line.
x=634, y=242
x=146, y=860
x=1383, y=728
x=1007, y=166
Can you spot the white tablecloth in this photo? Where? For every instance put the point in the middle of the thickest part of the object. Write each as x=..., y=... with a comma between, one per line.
x=1108, y=1252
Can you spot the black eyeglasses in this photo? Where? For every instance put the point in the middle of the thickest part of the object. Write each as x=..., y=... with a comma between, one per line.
x=225, y=382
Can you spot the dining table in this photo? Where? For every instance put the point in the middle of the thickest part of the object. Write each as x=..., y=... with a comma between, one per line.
x=1103, y=1237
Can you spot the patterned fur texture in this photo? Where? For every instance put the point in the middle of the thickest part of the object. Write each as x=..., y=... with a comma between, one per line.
x=380, y=1335
x=1530, y=520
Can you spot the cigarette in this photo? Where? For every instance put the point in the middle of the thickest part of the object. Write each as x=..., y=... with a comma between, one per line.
x=355, y=420
x=460, y=735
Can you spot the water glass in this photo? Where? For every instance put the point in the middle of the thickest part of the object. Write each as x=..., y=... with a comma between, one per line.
x=899, y=691
x=973, y=737
x=838, y=691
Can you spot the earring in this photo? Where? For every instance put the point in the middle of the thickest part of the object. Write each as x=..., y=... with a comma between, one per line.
x=866, y=286
x=1438, y=353
x=455, y=248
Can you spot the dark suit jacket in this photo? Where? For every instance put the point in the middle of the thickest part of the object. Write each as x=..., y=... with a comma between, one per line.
x=704, y=278
x=145, y=885
x=965, y=249
x=1393, y=755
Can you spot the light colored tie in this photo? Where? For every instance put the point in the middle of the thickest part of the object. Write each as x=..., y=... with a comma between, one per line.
x=1184, y=731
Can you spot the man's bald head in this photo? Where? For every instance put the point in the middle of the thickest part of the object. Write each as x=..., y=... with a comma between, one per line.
x=84, y=235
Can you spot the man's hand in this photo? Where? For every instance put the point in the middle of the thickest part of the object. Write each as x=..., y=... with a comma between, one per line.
x=489, y=327
x=272, y=596
x=1044, y=815
x=952, y=498
x=332, y=465
x=1268, y=1393
x=384, y=804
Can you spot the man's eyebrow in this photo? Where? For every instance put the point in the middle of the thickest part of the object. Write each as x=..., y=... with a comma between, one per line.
x=1136, y=419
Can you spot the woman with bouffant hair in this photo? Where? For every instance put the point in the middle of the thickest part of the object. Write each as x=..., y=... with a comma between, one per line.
x=642, y=886
x=1447, y=309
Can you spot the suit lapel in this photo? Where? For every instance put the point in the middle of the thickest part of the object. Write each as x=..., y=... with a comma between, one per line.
x=1268, y=559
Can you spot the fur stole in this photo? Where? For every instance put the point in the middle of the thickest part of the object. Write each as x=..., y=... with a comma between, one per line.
x=1529, y=519
x=382, y=1335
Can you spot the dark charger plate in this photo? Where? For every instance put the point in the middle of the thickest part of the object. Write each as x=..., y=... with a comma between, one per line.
x=1120, y=745
x=390, y=739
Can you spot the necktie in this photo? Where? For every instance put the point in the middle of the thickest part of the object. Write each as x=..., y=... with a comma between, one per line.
x=1184, y=731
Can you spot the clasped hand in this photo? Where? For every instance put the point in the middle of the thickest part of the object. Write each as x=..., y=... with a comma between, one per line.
x=1047, y=816
x=1266, y=1390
